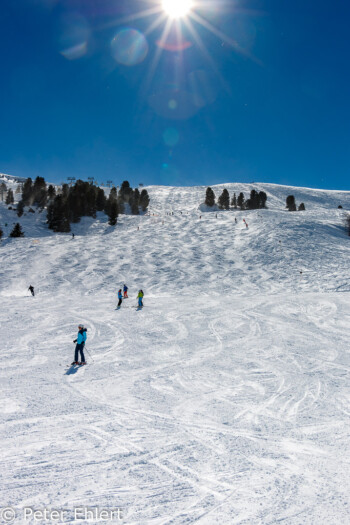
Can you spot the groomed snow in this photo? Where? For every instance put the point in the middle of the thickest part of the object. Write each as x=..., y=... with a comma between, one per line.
x=224, y=401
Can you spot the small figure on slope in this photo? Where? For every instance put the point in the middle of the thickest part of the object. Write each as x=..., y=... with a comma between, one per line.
x=120, y=297
x=31, y=288
x=80, y=340
x=125, y=288
x=140, y=297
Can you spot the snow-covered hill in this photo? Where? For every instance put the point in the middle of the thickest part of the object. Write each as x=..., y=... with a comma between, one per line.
x=225, y=400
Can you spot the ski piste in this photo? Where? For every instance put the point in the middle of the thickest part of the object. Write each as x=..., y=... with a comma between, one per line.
x=229, y=403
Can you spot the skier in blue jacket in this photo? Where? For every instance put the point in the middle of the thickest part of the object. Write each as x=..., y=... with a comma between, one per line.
x=120, y=297
x=80, y=340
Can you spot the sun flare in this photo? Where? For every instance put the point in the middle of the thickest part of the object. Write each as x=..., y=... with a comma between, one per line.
x=177, y=8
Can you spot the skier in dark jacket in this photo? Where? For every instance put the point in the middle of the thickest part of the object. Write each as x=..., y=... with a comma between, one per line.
x=31, y=288
x=80, y=340
x=125, y=289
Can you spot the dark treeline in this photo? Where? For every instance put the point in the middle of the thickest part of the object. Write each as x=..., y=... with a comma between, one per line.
x=85, y=200
x=257, y=200
x=67, y=204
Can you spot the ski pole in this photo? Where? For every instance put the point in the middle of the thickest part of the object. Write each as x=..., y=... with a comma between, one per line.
x=89, y=354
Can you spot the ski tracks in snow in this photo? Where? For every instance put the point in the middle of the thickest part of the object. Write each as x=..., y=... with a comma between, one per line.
x=225, y=400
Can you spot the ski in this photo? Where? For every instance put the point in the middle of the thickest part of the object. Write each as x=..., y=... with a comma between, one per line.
x=75, y=365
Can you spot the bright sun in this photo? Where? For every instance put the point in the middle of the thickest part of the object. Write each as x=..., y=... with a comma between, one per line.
x=177, y=8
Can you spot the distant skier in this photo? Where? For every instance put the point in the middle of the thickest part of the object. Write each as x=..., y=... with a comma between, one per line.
x=80, y=340
x=31, y=288
x=125, y=289
x=236, y=220
x=72, y=235
x=140, y=297
x=120, y=297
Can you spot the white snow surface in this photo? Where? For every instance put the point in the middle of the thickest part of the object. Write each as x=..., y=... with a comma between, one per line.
x=225, y=400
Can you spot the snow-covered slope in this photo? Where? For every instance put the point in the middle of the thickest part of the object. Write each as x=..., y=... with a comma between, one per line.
x=225, y=400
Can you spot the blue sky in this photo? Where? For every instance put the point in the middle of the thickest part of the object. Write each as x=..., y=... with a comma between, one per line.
x=250, y=91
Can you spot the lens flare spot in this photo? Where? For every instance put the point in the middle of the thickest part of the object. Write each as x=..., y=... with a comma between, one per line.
x=174, y=46
x=129, y=47
x=74, y=36
x=171, y=137
x=74, y=52
x=172, y=104
x=174, y=40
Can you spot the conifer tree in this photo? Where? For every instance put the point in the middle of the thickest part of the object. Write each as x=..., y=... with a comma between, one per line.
x=1, y=233
x=27, y=192
x=234, y=201
x=136, y=196
x=9, y=197
x=240, y=201
x=112, y=212
x=91, y=201
x=125, y=191
x=3, y=189
x=17, y=231
x=253, y=201
x=144, y=200
x=113, y=192
x=75, y=206
x=262, y=199
x=134, y=203
x=301, y=207
x=100, y=199
x=224, y=200
x=209, y=197
x=65, y=190
x=58, y=215
x=290, y=203
x=20, y=208
x=39, y=192
x=51, y=192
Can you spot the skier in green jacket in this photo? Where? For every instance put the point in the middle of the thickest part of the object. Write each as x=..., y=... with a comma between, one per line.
x=140, y=297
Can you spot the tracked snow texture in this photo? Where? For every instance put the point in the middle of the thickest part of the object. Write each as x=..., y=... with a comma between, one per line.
x=224, y=401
